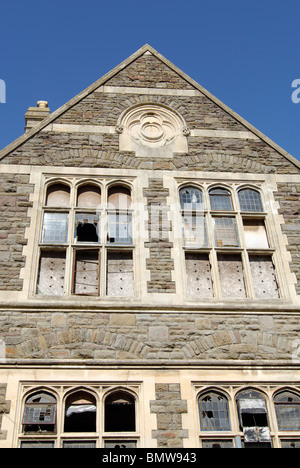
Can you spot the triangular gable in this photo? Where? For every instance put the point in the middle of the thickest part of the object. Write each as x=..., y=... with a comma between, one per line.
x=108, y=79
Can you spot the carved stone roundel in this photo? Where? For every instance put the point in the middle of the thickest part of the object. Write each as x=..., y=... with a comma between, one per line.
x=152, y=125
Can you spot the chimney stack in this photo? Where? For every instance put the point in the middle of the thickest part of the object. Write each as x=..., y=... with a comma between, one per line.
x=34, y=115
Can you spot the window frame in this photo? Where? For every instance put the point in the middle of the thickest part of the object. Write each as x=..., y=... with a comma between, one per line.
x=72, y=244
x=246, y=252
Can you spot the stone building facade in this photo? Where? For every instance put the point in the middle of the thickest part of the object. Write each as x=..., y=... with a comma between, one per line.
x=150, y=272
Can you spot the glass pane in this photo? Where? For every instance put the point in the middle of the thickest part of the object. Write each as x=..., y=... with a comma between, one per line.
x=250, y=200
x=225, y=232
x=214, y=415
x=55, y=228
x=191, y=199
x=290, y=444
x=288, y=416
x=37, y=444
x=79, y=444
x=220, y=200
x=120, y=444
x=194, y=230
x=119, y=228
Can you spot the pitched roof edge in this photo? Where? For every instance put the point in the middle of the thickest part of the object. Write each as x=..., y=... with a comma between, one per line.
x=146, y=48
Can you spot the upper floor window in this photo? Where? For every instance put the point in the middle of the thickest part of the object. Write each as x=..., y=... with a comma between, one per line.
x=287, y=406
x=214, y=413
x=120, y=412
x=39, y=412
x=85, y=228
x=228, y=253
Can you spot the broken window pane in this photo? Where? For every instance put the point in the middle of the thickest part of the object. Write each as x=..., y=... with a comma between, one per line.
x=220, y=199
x=191, y=199
x=119, y=228
x=250, y=200
x=58, y=195
x=88, y=196
x=214, y=414
x=55, y=228
x=51, y=277
x=231, y=275
x=225, y=230
x=40, y=413
x=263, y=275
x=194, y=230
x=120, y=274
x=198, y=270
x=290, y=444
x=87, y=227
x=255, y=234
x=80, y=415
x=220, y=444
x=253, y=417
x=86, y=272
x=287, y=405
x=120, y=412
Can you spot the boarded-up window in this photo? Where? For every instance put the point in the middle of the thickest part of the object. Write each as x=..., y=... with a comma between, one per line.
x=199, y=282
x=58, y=195
x=231, y=275
x=119, y=274
x=86, y=273
x=225, y=230
x=88, y=196
x=263, y=275
x=255, y=234
x=51, y=277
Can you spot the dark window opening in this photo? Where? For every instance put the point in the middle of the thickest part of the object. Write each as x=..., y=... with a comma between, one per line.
x=80, y=415
x=120, y=413
x=87, y=232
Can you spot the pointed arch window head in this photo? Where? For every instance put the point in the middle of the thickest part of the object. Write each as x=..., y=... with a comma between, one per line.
x=80, y=413
x=287, y=405
x=220, y=199
x=250, y=200
x=88, y=196
x=58, y=195
x=191, y=199
x=40, y=410
x=214, y=413
x=120, y=412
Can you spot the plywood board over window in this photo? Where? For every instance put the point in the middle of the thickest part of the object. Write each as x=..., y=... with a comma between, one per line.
x=51, y=273
x=199, y=282
x=86, y=273
x=231, y=275
x=119, y=274
x=263, y=275
x=255, y=234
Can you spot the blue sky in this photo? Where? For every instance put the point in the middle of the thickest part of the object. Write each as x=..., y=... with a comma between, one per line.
x=245, y=53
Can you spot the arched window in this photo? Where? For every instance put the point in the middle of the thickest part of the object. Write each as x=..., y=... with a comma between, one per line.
x=287, y=405
x=80, y=412
x=191, y=199
x=220, y=199
x=253, y=415
x=119, y=219
x=88, y=196
x=40, y=412
x=214, y=413
x=120, y=412
x=58, y=195
x=250, y=200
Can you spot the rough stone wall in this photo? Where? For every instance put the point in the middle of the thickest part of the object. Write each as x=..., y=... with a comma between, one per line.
x=14, y=201
x=164, y=337
x=4, y=409
x=159, y=262
x=288, y=196
x=169, y=408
